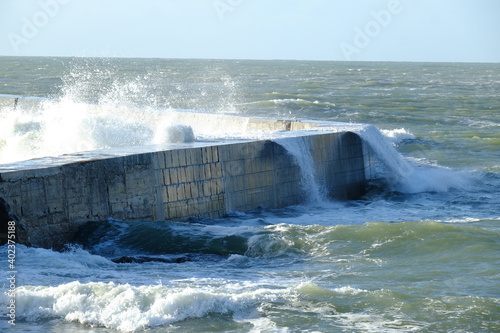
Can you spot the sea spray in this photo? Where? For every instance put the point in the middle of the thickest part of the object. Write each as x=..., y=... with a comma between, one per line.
x=99, y=106
x=298, y=148
x=64, y=126
x=405, y=175
x=400, y=173
x=398, y=135
x=398, y=168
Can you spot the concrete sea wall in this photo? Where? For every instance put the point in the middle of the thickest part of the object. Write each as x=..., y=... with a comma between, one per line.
x=51, y=198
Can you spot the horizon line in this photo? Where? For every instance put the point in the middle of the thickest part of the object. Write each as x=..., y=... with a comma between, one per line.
x=250, y=59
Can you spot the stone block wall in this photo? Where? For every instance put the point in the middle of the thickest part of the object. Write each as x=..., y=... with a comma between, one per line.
x=177, y=184
x=189, y=183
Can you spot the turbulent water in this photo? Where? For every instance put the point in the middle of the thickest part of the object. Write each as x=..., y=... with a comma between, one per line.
x=419, y=253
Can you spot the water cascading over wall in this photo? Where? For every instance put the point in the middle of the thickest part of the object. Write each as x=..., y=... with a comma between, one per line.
x=182, y=181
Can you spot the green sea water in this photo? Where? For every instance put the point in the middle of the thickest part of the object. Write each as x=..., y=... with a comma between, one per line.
x=397, y=260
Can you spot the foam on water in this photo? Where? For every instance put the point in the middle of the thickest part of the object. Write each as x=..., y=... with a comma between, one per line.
x=398, y=135
x=131, y=308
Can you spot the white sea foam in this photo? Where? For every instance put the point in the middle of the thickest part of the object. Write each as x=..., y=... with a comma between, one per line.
x=348, y=290
x=372, y=323
x=398, y=135
x=131, y=308
x=73, y=259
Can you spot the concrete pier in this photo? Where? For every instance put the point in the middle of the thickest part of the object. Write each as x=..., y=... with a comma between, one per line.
x=53, y=197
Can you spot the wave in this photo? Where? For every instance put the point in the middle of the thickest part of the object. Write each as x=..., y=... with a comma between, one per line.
x=402, y=240
x=331, y=294
x=386, y=251
x=131, y=308
x=398, y=135
x=261, y=240
x=114, y=238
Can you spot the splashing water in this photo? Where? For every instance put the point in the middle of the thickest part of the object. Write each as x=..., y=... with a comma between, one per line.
x=101, y=106
x=299, y=149
x=65, y=126
x=403, y=174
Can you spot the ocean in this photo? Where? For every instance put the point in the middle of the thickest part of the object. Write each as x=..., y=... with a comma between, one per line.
x=420, y=252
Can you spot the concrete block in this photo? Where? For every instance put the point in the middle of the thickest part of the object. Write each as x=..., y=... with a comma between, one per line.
x=174, y=155
x=231, y=169
x=219, y=186
x=205, y=155
x=259, y=179
x=183, y=209
x=168, y=159
x=175, y=177
x=181, y=174
x=250, y=165
x=164, y=194
x=188, y=190
x=224, y=155
x=205, y=189
x=207, y=173
x=99, y=211
x=165, y=177
x=196, y=156
x=162, y=158
x=216, y=170
x=172, y=193
x=215, y=154
x=241, y=183
x=214, y=187
x=198, y=172
x=190, y=174
x=181, y=155
x=194, y=190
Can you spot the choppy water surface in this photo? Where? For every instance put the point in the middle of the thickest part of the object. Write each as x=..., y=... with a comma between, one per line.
x=419, y=253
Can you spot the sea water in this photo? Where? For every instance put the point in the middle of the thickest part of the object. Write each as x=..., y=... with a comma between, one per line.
x=418, y=253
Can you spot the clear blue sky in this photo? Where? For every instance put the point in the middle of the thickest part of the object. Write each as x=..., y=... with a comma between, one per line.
x=362, y=30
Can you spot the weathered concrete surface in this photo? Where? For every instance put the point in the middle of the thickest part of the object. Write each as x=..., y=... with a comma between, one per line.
x=10, y=229
x=53, y=197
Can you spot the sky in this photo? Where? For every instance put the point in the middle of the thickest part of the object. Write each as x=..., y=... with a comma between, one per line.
x=339, y=30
